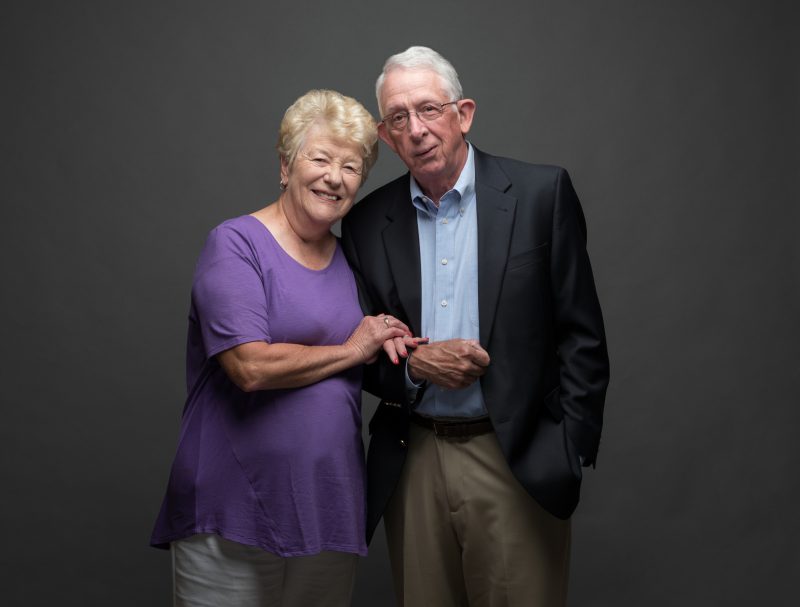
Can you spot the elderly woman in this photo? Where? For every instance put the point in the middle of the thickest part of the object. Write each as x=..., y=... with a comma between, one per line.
x=265, y=502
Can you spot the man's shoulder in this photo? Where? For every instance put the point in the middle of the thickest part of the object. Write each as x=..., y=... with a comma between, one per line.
x=378, y=202
x=515, y=170
x=388, y=191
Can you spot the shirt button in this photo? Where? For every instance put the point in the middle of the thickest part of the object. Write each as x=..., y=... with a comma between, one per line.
x=461, y=212
x=444, y=303
x=444, y=220
x=444, y=261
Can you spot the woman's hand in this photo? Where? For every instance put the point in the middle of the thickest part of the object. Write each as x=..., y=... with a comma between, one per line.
x=373, y=332
x=399, y=346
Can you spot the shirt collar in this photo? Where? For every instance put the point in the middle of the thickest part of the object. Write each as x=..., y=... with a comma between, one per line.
x=463, y=188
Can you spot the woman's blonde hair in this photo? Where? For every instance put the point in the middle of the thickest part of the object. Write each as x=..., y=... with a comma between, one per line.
x=344, y=117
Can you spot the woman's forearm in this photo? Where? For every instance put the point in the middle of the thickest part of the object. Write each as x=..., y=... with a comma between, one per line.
x=262, y=366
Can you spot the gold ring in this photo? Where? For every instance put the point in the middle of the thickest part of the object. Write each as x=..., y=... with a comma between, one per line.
x=386, y=321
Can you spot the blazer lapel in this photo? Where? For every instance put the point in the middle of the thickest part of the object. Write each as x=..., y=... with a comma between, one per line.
x=495, y=221
x=401, y=240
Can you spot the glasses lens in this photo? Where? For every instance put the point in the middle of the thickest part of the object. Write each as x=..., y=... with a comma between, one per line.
x=427, y=112
x=398, y=121
x=430, y=112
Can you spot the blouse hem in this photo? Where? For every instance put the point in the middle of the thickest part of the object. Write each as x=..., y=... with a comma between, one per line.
x=164, y=542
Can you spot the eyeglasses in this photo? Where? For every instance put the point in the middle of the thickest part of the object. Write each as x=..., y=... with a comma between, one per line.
x=428, y=113
x=348, y=168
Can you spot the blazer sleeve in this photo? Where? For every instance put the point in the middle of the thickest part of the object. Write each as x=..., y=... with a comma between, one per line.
x=382, y=378
x=580, y=336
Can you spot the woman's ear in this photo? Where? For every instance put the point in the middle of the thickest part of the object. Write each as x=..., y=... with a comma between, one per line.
x=284, y=171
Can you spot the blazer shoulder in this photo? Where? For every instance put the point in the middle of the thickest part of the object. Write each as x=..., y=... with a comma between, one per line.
x=378, y=202
x=521, y=169
x=502, y=173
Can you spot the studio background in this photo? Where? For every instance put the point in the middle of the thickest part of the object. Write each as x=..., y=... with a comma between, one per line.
x=131, y=129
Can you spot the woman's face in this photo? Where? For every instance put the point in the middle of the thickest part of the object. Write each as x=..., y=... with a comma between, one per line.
x=324, y=178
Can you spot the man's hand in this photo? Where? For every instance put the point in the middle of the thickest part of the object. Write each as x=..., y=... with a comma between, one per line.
x=454, y=363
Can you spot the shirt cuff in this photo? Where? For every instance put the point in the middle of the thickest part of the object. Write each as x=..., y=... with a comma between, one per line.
x=412, y=387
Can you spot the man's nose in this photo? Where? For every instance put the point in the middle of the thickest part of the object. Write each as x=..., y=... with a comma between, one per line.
x=416, y=126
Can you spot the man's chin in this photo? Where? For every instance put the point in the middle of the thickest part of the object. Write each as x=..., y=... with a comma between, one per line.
x=427, y=167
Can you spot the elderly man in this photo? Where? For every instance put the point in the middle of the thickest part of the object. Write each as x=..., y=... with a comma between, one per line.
x=478, y=442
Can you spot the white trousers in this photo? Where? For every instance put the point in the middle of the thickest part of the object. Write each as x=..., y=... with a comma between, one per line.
x=210, y=571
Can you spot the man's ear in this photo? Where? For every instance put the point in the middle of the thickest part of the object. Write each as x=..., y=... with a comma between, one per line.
x=466, y=111
x=385, y=137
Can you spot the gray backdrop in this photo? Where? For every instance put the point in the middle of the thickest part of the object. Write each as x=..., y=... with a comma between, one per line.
x=130, y=129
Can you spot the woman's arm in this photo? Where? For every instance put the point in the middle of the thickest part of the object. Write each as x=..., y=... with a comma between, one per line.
x=259, y=365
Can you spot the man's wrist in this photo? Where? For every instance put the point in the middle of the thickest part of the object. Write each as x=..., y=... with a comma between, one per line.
x=414, y=381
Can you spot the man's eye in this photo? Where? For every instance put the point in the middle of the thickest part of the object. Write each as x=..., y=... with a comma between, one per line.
x=398, y=117
x=428, y=108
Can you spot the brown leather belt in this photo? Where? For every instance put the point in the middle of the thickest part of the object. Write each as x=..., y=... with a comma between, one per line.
x=454, y=428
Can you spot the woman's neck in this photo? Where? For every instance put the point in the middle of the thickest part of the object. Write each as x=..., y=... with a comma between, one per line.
x=310, y=247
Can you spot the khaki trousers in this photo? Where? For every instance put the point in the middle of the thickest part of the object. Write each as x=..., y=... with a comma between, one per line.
x=210, y=571
x=463, y=532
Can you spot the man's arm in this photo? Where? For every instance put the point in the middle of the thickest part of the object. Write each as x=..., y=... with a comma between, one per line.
x=382, y=378
x=580, y=337
x=453, y=364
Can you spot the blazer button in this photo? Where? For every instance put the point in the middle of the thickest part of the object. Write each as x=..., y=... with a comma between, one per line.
x=403, y=443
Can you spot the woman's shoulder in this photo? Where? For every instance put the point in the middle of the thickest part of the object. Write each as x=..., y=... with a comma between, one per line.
x=244, y=228
x=235, y=236
x=241, y=226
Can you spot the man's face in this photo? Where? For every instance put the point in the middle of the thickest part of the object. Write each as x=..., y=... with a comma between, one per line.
x=434, y=151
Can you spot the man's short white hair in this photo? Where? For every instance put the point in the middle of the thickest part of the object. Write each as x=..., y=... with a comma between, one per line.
x=422, y=57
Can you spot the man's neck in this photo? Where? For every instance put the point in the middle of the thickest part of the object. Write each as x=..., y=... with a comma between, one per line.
x=435, y=188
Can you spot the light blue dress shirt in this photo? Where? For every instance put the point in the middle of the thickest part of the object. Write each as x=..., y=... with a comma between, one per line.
x=448, y=251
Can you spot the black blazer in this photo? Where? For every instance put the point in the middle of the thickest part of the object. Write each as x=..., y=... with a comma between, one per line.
x=540, y=322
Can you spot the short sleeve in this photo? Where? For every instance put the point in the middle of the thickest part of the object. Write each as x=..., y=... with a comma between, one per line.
x=228, y=294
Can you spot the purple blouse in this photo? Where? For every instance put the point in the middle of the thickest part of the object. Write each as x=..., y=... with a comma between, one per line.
x=279, y=469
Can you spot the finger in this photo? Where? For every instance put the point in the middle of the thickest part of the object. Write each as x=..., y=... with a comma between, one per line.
x=394, y=332
x=481, y=358
x=400, y=346
x=475, y=371
x=396, y=322
x=413, y=342
x=391, y=351
x=478, y=355
x=474, y=344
